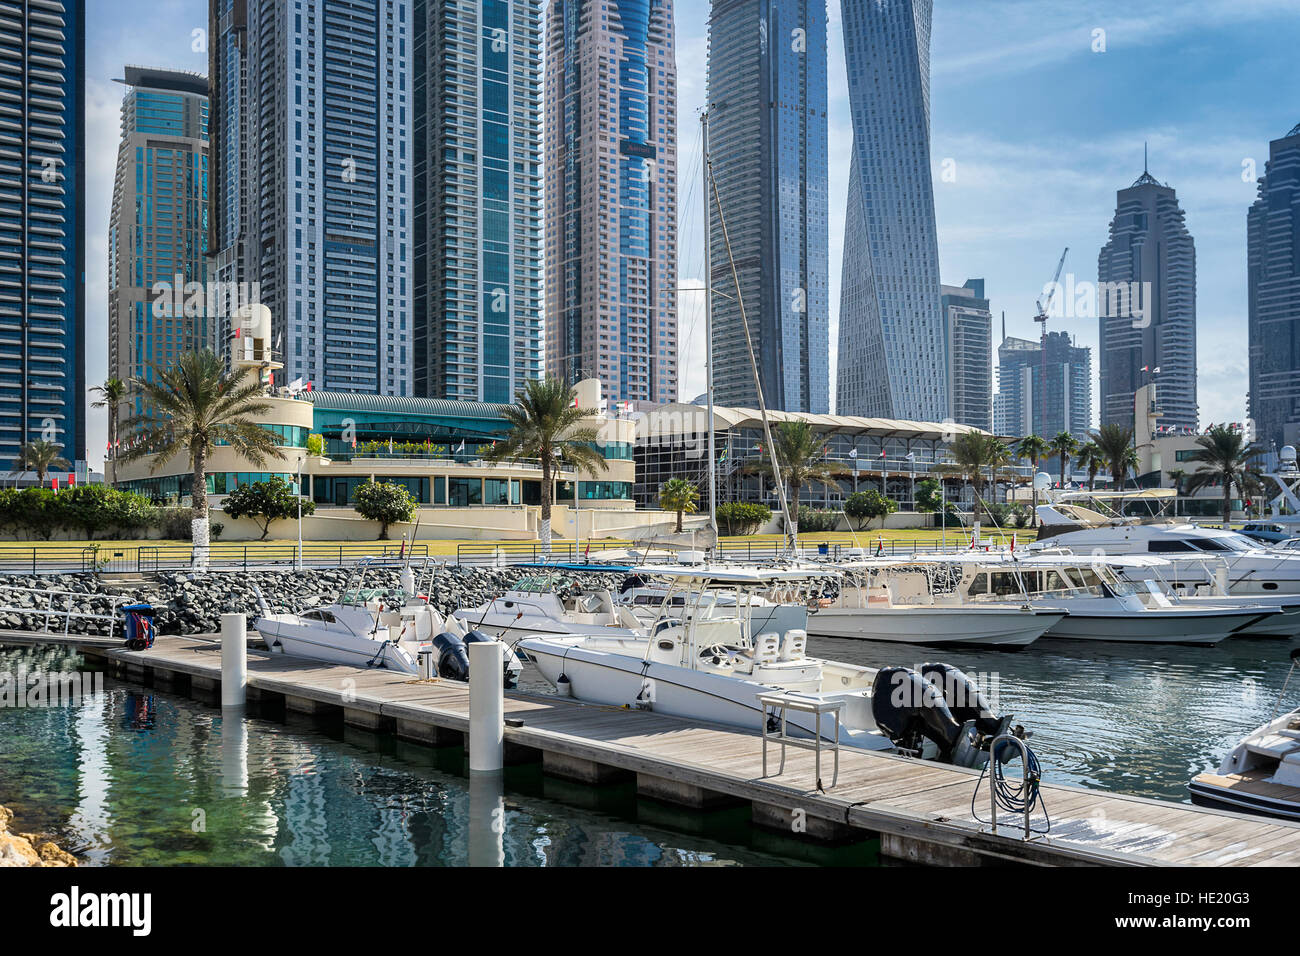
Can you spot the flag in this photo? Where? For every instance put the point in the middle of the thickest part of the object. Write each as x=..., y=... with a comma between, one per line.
x=1146, y=368
x=882, y=453
x=880, y=547
x=853, y=453
x=1156, y=370
x=108, y=448
x=390, y=445
x=461, y=448
x=911, y=455
x=72, y=479
x=239, y=332
x=1013, y=541
x=54, y=482
x=307, y=387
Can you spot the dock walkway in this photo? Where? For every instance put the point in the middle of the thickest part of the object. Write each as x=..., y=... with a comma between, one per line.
x=921, y=811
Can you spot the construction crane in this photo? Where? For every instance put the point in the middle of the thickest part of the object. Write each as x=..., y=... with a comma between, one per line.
x=1043, y=308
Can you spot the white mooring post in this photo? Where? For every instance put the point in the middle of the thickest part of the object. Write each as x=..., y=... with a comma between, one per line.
x=486, y=705
x=234, y=660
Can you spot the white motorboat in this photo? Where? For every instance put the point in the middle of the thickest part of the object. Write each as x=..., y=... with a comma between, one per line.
x=1262, y=773
x=375, y=628
x=712, y=668
x=919, y=601
x=778, y=612
x=547, y=604
x=1102, y=606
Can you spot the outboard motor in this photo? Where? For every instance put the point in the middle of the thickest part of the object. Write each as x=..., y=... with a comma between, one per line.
x=910, y=710
x=511, y=673
x=453, y=662
x=972, y=710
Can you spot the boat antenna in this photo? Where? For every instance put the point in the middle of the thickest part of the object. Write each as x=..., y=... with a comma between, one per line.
x=1295, y=654
x=791, y=542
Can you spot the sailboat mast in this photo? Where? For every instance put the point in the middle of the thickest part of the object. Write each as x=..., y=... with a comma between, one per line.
x=708, y=327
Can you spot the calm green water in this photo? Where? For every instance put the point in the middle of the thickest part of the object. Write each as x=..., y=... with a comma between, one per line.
x=137, y=777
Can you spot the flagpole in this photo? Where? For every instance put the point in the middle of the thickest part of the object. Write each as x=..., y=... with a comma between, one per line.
x=708, y=327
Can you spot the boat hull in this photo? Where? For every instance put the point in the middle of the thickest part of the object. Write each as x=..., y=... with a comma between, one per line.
x=624, y=681
x=1153, y=627
x=1206, y=791
x=979, y=626
x=337, y=647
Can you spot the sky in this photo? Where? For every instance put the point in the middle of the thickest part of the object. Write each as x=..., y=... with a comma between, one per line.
x=1039, y=110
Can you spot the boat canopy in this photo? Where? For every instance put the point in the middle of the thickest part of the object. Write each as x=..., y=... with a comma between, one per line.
x=720, y=574
x=1144, y=494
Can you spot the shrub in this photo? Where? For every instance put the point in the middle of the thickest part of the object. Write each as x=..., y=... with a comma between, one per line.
x=266, y=501
x=813, y=520
x=863, y=506
x=737, y=517
x=384, y=502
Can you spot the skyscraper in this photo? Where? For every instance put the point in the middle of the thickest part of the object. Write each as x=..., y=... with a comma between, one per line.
x=1147, y=306
x=42, y=226
x=767, y=138
x=1273, y=279
x=1023, y=406
x=157, y=270
x=611, y=196
x=892, y=361
x=477, y=205
x=969, y=346
x=313, y=168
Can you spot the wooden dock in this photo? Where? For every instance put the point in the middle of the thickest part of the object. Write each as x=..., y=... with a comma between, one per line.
x=921, y=811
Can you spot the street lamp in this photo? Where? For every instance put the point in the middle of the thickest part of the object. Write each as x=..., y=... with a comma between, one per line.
x=301, y=462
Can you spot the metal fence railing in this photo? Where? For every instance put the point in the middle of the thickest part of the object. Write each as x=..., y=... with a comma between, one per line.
x=107, y=558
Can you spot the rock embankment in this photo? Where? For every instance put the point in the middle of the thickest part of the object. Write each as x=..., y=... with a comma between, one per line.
x=29, y=849
x=188, y=603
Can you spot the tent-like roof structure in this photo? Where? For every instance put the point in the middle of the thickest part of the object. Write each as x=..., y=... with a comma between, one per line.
x=681, y=419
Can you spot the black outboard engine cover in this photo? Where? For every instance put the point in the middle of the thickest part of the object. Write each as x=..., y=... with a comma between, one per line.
x=910, y=709
x=476, y=637
x=962, y=696
x=453, y=662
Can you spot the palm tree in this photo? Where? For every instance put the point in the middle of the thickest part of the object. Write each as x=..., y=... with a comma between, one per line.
x=1116, y=444
x=1178, y=475
x=1089, y=456
x=40, y=456
x=680, y=495
x=1063, y=446
x=545, y=424
x=111, y=395
x=192, y=405
x=1033, y=447
x=1225, y=458
x=971, y=453
x=801, y=455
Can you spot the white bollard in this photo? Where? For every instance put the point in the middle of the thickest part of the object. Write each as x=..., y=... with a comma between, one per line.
x=234, y=660
x=486, y=705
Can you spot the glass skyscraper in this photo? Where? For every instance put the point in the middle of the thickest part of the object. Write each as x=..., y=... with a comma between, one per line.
x=42, y=225
x=1147, y=306
x=768, y=142
x=477, y=204
x=157, y=270
x=892, y=359
x=313, y=174
x=1273, y=277
x=970, y=353
x=611, y=196
x=1029, y=404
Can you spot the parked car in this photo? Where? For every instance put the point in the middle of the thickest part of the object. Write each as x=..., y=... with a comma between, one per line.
x=1267, y=532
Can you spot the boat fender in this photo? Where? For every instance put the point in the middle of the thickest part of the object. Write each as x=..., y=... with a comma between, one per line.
x=453, y=661
x=563, y=688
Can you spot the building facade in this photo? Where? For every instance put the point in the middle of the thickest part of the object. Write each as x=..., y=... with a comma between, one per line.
x=768, y=145
x=611, y=196
x=1044, y=398
x=1273, y=277
x=312, y=108
x=892, y=360
x=477, y=204
x=157, y=231
x=969, y=330
x=1147, y=306
x=42, y=226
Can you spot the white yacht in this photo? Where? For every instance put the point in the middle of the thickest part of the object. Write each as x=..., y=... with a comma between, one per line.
x=921, y=601
x=713, y=668
x=1252, y=568
x=1261, y=774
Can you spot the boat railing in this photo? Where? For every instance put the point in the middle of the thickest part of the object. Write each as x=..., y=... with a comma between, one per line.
x=57, y=611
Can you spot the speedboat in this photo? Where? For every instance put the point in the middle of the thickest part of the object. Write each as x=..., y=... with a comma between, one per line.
x=780, y=611
x=919, y=601
x=549, y=604
x=1261, y=774
x=1101, y=606
x=376, y=628
x=713, y=668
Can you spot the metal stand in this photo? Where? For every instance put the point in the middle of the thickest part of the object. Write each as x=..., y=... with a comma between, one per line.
x=774, y=704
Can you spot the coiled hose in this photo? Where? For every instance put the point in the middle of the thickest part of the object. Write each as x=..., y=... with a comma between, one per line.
x=1014, y=798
